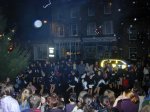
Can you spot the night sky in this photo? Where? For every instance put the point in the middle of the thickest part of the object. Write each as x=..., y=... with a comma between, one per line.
x=23, y=13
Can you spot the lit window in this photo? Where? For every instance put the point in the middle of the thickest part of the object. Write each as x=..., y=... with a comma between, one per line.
x=51, y=52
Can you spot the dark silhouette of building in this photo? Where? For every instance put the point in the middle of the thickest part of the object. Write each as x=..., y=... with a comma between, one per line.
x=96, y=29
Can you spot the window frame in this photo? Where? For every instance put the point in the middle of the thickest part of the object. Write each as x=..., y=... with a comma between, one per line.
x=76, y=29
x=90, y=30
x=105, y=27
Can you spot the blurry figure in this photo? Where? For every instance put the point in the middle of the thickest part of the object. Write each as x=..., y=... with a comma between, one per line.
x=80, y=101
x=104, y=104
x=7, y=102
x=32, y=87
x=54, y=103
x=111, y=95
x=127, y=102
x=72, y=103
x=34, y=102
x=43, y=104
x=73, y=80
x=24, y=103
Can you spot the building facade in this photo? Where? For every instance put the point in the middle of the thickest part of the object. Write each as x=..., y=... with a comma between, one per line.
x=83, y=29
x=96, y=29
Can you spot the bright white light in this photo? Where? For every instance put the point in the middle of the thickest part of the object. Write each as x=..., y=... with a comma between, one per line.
x=45, y=21
x=51, y=55
x=135, y=19
x=119, y=10
x=51, y=50
x=37, y=23
x=9, y=38
x=133, y=2
x=131, y=26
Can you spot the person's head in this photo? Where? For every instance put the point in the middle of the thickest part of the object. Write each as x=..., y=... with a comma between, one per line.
x=81, y=62
x=99, y=73
x=35, y=101
x=104, y=101
x=6, y=90
x=86, y=105
x=73, y=98
x=81, y=95
x=25, y=94
x=131, y=95
x=44, y=98
x=111, y=96
x=53, y=100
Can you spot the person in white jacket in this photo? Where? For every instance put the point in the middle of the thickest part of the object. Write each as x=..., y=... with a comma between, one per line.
x=7, y=102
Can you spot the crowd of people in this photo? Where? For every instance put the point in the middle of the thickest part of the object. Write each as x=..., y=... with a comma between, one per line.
x=69, y=86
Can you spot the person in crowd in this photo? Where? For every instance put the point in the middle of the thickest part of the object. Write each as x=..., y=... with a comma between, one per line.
x=90, y=82
x=7, y=102
x=80, y=101
x=81, y=68
x=146, y=100
x=99, y=82
x=24, y=101
x=95, y=103
x=127, y=102
x=111, y=95
x=32, y=87
x=86, y=106
x=72, y=82
x=34, y=102
x=113, y=79
x=84, y=81
x=146, y=71
x=72, y=103
x=125, y=82
x=104, y=104
x=74, y=66
x=137, y=89
x=43, y=104
x=96, y=66
x=87, y=67
x=52, y=81
x=54, y=103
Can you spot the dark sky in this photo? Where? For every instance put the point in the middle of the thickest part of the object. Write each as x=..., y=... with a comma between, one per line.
x=23, y=13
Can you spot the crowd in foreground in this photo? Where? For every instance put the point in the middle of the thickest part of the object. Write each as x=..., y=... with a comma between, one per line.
x=67, y=86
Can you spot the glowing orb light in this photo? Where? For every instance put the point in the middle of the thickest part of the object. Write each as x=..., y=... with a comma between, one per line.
x=37, y=24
